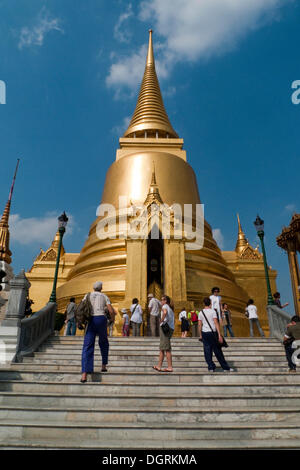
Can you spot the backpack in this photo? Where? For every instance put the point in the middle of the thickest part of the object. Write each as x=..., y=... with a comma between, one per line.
x=84, y=312
x=194, y=317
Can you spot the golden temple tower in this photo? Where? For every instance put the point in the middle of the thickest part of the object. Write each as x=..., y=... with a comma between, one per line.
x=5, y=253
x=133, y=267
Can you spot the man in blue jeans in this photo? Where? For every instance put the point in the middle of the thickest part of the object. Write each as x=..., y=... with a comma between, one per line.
x=209, y=334
x=97, y=327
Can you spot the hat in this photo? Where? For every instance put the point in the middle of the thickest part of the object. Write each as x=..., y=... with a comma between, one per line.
x=150, y=295
x=97, y=285
x=124, y=310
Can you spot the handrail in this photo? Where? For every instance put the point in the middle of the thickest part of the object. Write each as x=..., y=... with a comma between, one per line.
x=33, y=331
x=278, y=320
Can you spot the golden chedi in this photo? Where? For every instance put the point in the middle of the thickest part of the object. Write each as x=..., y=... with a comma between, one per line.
x=151, y=169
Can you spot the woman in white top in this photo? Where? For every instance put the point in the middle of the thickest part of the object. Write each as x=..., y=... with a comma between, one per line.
x=136, y=317
x=167, y=318
x=209, y=334
x=184, y=323
x=251, y=313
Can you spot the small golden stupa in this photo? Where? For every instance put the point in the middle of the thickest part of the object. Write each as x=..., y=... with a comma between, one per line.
x=151, y=168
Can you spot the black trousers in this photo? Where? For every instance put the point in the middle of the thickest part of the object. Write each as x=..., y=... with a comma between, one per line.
x=210, y=346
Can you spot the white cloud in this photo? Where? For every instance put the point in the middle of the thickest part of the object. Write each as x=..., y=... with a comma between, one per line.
x=120, y=33
x=197, y=28
x=121, y=128
x=36, y=230
x=291, y=208
x=192, y=30
x=218, y=236
x=127, y=71
x=34, y=35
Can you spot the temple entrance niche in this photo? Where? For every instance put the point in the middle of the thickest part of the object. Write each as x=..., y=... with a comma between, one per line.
x=155, y=262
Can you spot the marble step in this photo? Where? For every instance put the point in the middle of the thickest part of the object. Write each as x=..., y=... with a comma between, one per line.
x=263, y=355
x=150, y=339
x=35, y=373
x=142, y=432
x=154, y=347
x=95, y=389
x=151, y=415
x=149, y=361
x=200, y=367
x=136, y=401
x=12, y=443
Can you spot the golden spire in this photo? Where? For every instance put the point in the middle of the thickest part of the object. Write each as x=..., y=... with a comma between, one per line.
x=55, y=244
x=5, y=253
x=153, y=193
x=150, y=118
x=242, y=241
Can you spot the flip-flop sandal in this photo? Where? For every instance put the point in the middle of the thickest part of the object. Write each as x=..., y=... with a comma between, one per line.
x=156, y=368
x=167, y=370
x=104, y=369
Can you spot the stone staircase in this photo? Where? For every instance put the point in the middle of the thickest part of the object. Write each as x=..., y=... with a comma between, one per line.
x=43, y=405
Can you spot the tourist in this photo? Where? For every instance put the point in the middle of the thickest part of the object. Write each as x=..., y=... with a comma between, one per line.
x=126, y=321
x=210, y=335
x=251, y=314
x=166, y=331
x=70, y=320
x=227, y=323
x=154, y=307
x=110, y=321
x=276, y=297
x=193, y=318
x=136, y=317
x=215, y=299
x=185, y=327
x=292, y=334
x=97, y=326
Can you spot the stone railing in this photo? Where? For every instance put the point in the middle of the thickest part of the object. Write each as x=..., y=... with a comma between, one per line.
x=278, y=319
x=33, y=331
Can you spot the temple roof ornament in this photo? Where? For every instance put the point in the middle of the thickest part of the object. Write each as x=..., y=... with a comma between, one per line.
x=153, y=195
x=242, y=247
x=150, y=118
x=242, y=241
x=51, y=253
x=290, y=236
x=5, y=253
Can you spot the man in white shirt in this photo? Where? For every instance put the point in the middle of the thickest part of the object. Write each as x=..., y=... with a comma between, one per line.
x=251, y=313
x=97, y=326
x=154, y=307
x=210, y=335
x=216, y=299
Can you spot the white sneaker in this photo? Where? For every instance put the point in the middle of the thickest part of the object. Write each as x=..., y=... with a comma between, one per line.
x=211, y=370
x=230, y=370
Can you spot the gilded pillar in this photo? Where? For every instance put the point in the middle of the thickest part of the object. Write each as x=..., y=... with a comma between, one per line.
x=174, y=272
x=295, y=277
x=136, y=271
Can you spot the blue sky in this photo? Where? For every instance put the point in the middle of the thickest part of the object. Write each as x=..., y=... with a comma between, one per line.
x=72, y=71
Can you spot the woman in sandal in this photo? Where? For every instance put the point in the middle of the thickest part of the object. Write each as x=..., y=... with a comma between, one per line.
x=166, y=332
